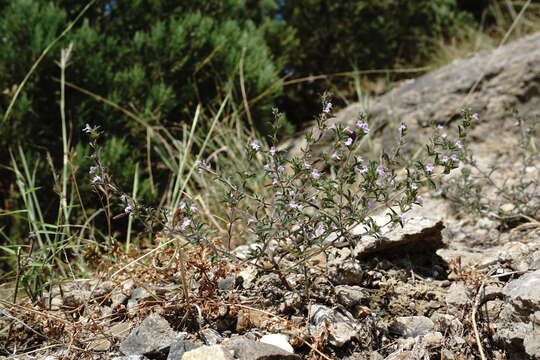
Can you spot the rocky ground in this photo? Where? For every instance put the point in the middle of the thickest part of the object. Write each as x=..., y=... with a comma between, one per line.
x=448, y=285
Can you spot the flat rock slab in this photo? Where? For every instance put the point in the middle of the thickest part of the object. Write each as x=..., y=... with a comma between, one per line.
x=418, y=234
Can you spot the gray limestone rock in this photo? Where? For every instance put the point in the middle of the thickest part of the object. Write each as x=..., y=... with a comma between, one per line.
x=211, y=336
x=228, y=283
x=511, y=335
x=347, y=272
x=180, y=347
x=515, y=328
x=350, y=296
x=524, y=293
x=341, y=328
x=486, y=81
x=458, y=297
x=245, y=349
x=139, y=294
x=154, y=335
x=412, y=326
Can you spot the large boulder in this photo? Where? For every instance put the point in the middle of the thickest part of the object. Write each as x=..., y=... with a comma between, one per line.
x=487, y=82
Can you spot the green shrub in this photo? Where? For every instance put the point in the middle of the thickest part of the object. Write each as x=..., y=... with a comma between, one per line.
x=157, y=59
x=340, y=36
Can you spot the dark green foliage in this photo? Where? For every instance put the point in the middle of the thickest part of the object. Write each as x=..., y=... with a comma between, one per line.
x=339, y=36
x=156, y=58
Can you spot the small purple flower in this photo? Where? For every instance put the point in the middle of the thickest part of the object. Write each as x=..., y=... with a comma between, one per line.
x=281, y=168
x=444, y=159
x=255, y=145
x=348, y=142
x=429, y=167
x=380, y=171
x=364, y=169
x=454, y=157
x=128, y=209
x=87, y=129
x=185, y=223
x=335, y=156
x=370, y=204
x=458, y=144
x=402, y=128
x=294, y=205
x=359, y=159
x=182, y=206
x=444, y=135
x=414, y=186
x=362, y=125
x=320, y=229
x=92, y=170
x=306, y=165
x=475, y=116
x=328, y=108
x=193, y=208
x=273, y=150
x=202, y=166
x=315, y=174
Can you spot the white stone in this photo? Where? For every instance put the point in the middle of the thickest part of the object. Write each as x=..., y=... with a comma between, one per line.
x=279, y=340
x=214, y=352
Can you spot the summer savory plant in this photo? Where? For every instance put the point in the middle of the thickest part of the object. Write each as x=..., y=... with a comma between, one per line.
x=313, y=201
x=516, y=199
